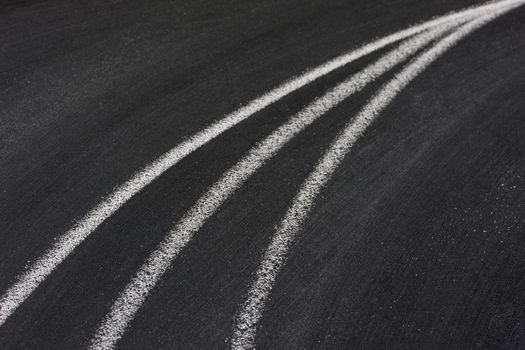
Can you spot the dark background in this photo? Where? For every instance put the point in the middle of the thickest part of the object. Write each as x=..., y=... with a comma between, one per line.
x=417, y=242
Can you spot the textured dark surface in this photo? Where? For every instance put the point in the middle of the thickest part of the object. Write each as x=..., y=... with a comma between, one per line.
x=417, y=242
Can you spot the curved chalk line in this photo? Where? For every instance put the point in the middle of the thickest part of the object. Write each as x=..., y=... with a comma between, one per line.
x=37, y=272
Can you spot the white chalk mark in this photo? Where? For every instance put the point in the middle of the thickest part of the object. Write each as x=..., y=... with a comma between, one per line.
x=133, y=296
x=275, y=255
x=37, y=272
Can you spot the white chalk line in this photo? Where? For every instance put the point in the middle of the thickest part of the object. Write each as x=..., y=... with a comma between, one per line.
x=276, y=253
x=135, y=293
x=37, y=272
